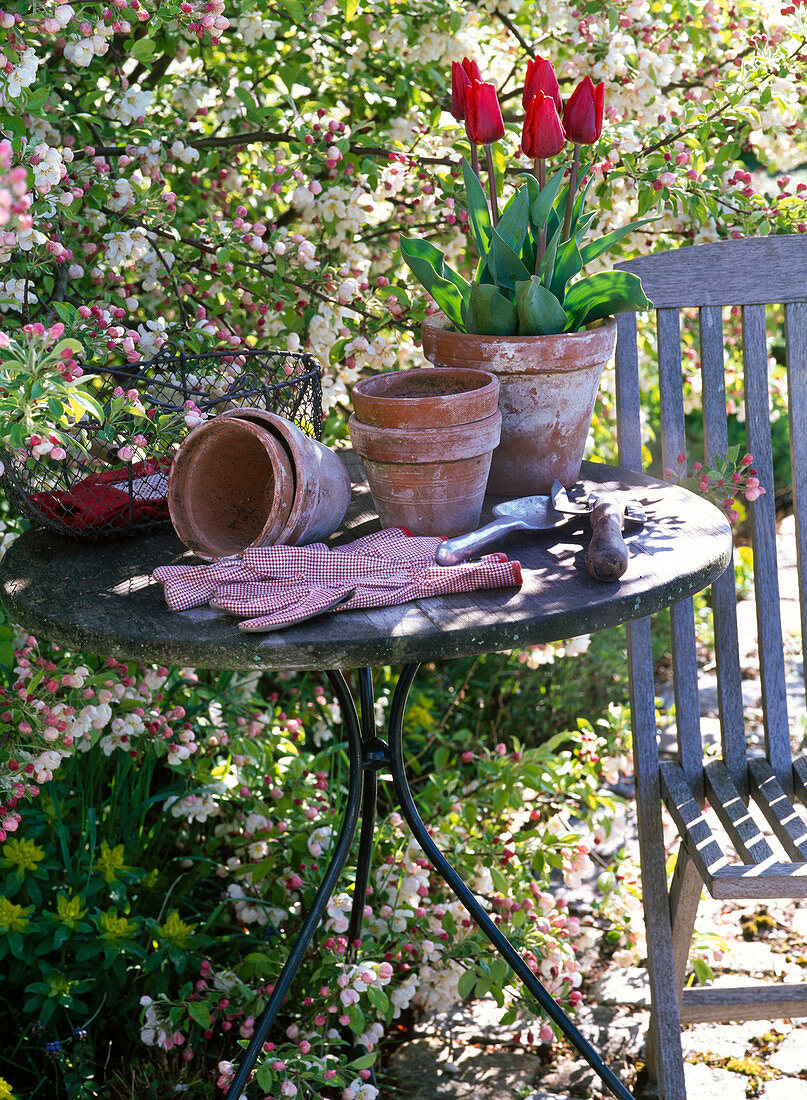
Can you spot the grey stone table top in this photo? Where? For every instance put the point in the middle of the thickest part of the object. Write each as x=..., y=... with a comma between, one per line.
x=98, y=597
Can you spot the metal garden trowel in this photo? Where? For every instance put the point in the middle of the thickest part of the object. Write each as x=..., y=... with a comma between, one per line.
x=607, y=560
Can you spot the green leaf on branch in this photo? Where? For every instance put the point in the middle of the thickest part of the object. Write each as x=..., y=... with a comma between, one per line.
x=200, y=1014
x=448, y=288
x=143, y=50
x=489, y=313
x=356, y=1017
x=596, y=248
x=364, y=1062
x=603, y=294
x=295, y=10
x=539, y=311
x=351, y=7
x=478, y=212
x=66, y=312
x=465, y=986
x=36, y=99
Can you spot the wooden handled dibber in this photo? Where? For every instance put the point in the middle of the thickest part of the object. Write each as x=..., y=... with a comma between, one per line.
x=607, y=554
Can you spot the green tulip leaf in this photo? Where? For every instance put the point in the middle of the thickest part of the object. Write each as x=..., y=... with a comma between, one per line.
x=478, y=212
x=579, y=202
x=596, y=248
x=446, y=286
x=548, y=262
x=546, y=199
x=601, y=295
x=568, y=263
x=489, y=313
x=506, y=265
x=583, y=222
x=515, y=220
x=539, y=311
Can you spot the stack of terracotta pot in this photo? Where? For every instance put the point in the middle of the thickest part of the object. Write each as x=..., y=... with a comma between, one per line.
x=426, y=438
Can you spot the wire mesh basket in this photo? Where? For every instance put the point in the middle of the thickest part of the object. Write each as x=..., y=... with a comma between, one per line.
x=93, y=494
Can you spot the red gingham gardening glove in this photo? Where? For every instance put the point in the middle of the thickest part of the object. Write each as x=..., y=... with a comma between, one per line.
x=275, y=586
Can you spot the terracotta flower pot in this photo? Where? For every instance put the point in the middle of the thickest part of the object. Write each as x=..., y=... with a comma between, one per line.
x=251, y=478
x=548, y=387
x=231, y=486
x=321, y=480
x=425, y=398
x=427, y=463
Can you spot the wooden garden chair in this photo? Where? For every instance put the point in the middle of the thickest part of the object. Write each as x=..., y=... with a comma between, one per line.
x=741, y=833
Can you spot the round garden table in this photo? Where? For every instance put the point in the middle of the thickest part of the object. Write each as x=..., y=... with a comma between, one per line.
x=100, y=598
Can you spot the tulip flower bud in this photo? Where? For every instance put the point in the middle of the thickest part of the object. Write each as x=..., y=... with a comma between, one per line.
x=541, y=78
x=582, y=118
x=543, y=134
x=483, y=116
x=462, y=75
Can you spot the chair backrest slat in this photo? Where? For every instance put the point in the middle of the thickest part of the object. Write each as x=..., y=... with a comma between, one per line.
x=628, y=396
x=687, y=699
x=673, y=436
x=755, y=271
x=682, y=616
x=763, y=529
x=724, y=594
x=796, y=338
x=713, y=382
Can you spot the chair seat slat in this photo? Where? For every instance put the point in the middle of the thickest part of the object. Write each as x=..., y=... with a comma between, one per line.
x=800, y=778
x=734, y=815
x=779, y=811
x=692, y=825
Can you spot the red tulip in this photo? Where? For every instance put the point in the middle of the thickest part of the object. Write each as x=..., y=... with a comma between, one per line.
x=582, y=118
x=483, y=116
x=543, y=134
x=462, y=76
x=541, y=78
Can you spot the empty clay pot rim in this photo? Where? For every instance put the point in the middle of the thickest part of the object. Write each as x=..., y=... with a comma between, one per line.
x=426, y=397
x=424, y=384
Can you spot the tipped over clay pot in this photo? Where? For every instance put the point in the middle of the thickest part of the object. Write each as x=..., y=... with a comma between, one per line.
x=251, y=478
x=231, y=486
x=426, y=438
x=321, y=480
x=548, y=387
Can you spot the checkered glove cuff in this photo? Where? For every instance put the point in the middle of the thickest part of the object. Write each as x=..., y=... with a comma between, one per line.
x=274, y=586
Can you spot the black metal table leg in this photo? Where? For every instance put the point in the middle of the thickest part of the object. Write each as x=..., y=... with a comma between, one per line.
x=374, y=754
x=326, y=889
x=477, y=912
x=367, y=753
